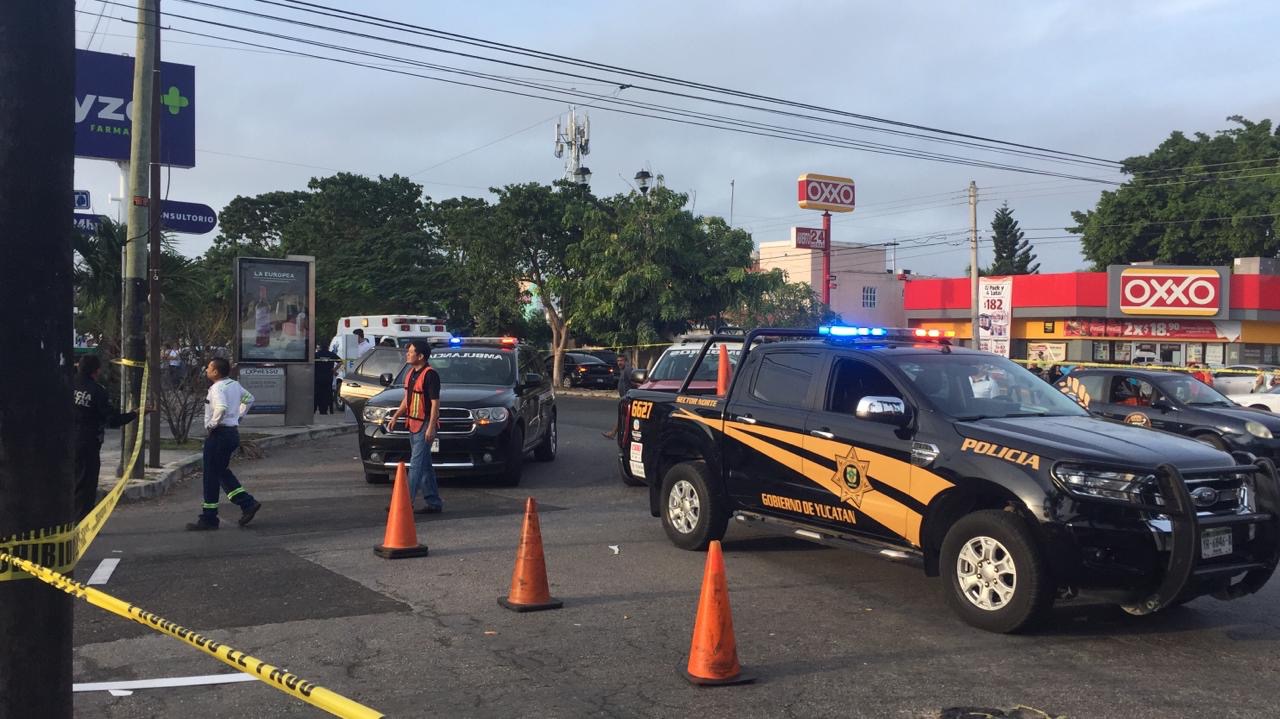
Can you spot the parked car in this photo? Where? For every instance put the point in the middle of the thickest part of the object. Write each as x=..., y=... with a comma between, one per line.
x=364, y=381
x=1174, y=402
x=1268, y=400
x=584, y=370
x=1241, y=378
x=669, y=371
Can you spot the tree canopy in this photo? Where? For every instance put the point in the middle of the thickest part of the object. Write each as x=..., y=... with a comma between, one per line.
x=1013, y=255
x=1193, y=200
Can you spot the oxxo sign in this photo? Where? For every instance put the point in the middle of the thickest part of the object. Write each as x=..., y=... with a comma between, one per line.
x=808, y=238
x=824, y=192
x=1169, y=291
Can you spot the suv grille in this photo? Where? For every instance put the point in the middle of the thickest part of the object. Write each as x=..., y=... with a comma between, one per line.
x=456, y=420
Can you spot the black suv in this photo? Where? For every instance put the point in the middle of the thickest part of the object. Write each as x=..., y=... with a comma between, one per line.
x=584, y=370
x=495, y=406
x=1174, y=402
x=960, y=461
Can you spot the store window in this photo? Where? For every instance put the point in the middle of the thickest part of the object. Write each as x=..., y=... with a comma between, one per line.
x=1101, y=351
x=869, y=297
x=1251, y=354
x=1213, y=355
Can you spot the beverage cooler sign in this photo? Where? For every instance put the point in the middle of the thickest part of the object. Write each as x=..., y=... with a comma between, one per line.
x=1207, y=330
x=995, y=312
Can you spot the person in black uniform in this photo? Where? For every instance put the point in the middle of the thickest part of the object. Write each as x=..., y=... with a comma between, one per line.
x=326, y=362
x=93, y=414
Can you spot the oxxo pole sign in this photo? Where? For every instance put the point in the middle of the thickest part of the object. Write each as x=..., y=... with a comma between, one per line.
x=829, y=194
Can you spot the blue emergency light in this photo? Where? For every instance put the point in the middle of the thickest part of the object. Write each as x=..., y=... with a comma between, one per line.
x=455, y=341
x=850, y=331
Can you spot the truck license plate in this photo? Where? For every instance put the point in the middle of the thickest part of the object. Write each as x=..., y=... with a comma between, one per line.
x=1215, y=543
x=435, y=449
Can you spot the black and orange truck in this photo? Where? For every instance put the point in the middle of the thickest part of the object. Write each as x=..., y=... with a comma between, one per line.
x=960, y=461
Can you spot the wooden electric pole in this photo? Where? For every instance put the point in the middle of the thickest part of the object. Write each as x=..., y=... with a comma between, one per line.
x=37, y=73
x=153, y=240
x=973, y=262
x=134, y=294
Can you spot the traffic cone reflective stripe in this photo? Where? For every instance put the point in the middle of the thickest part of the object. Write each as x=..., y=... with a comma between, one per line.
x=713, y=653
x=401, y=539
x=722, y=373
x=529, y=591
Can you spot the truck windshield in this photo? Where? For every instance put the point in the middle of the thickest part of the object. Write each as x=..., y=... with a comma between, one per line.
x=470, y=366
x=674, y=364
x=968, y=387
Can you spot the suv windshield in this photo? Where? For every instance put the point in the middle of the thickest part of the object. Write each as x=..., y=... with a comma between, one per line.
x=674, y=364
x=968, y=387
x=470, y=366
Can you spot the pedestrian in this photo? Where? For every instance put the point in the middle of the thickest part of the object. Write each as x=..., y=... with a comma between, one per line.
x=421, y=410
x=362, y=345
x=225, y=405
x=173, y=364
x=325, y=365
x=93, y=415
x=624, y=386
x=1201, y=373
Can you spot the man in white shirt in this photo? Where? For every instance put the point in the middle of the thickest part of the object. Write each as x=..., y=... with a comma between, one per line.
x=362, y=345
x=225, y=405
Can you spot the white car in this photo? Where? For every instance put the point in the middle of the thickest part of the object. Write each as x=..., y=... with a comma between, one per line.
x=1268, y=400
x=1240, y=378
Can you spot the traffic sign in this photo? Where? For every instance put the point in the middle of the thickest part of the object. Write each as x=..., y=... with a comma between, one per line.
x=82, y=199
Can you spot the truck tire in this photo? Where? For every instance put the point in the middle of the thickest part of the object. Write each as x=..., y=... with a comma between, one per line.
x=515, y=459
x=692, y=513
x=1212, y=440
x=995, y=577
x=546, y=450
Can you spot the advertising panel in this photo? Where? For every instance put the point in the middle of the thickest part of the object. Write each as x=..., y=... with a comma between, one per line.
x=995, y=310
x=104, y=109
x=1047, y=353
x=1168, y=291
x=825, y=192
x=1203, y=330
x=266, y=384
x=272, y=311
x=809, y=238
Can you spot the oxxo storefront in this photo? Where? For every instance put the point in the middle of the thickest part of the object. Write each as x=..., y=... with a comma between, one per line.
x=1168, y=314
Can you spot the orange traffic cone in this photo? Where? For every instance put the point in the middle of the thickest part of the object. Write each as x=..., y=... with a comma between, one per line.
x=401, y=539
x=713, y=655
x=529, y=592
x=722, y=373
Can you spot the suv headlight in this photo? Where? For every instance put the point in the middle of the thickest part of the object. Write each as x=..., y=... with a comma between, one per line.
x=377, y=415
x=1095, y=482
x=490, y=415
x=1257, y=429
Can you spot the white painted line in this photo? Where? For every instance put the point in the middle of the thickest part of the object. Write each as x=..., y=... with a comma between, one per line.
x=162, y=683
x=104, y=570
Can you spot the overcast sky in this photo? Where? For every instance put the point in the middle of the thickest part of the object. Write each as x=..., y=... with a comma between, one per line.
x=1104, y=79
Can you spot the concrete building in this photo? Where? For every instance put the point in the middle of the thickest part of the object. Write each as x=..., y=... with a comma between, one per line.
x=865, y=292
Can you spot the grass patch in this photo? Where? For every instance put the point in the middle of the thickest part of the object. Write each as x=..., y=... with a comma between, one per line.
x=195, y=444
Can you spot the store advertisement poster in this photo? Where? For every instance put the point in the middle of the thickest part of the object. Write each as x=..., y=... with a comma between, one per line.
x=995, y=314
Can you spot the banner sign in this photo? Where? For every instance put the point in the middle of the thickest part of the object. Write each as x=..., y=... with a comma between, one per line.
x=808, y=238
x=1167, y=291
x=271, y=306
x=104, y=109
x=1046, y=353
x=1203, y=330
x=995, y=309
x=187, y=217
x=85, y=222
x=266, y=384
x=824, y=192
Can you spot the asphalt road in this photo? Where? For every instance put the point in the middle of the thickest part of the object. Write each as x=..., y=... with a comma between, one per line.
x=828, y=633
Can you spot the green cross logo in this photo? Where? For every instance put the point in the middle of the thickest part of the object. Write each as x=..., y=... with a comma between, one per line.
x=174, y=100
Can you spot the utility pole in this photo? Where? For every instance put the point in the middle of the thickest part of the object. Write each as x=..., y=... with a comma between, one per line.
x=893, y=257
x=133, y=339
x=826, y=260
x=973, y=260
x=153, y=239
x=731, y=203
x=37, y=50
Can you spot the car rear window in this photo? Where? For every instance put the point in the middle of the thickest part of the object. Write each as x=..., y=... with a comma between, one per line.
x=674, y=364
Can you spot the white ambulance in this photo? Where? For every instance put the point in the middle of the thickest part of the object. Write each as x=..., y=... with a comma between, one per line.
x=395, y=330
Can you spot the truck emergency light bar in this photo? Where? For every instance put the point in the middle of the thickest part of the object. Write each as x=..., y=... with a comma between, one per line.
x=898, y=333
x=482, y=341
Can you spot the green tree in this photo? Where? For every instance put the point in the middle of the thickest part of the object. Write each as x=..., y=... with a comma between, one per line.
x=1199, y=200
x=771, y=301
x=1013, y=255
x=485, y=295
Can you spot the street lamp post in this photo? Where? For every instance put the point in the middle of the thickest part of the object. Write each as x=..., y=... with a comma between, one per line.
x=583, y=176
x=642, y=181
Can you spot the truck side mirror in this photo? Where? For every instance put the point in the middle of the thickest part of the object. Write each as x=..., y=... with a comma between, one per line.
x=386, y=378
x=532, y=379
x=639, y=376
x=889, y=410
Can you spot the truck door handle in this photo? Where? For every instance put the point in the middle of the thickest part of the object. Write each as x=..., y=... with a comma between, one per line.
x=822, y=433
x=746, y=418
x=353, y=384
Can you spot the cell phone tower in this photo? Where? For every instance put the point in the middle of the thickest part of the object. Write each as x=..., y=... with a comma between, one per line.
x=574, y=139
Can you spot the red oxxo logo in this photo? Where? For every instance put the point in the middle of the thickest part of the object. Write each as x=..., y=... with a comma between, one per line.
x=1187, y=293
x=824, y=192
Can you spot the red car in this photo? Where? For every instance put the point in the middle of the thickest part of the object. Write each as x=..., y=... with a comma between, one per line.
x=669, y=371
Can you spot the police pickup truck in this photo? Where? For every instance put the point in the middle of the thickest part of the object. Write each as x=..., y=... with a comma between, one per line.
x=959, y=461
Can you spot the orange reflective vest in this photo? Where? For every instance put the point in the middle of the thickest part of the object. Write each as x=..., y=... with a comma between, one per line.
x=418, y=401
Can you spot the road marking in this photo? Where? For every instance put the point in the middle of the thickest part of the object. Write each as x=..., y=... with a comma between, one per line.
x=162, y=683
x=103, y=572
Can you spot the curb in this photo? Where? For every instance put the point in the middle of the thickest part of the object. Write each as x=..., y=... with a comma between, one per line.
x=160, y=480
x=588, y=394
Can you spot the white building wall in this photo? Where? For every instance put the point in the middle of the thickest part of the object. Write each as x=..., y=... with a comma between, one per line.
x=857, y=268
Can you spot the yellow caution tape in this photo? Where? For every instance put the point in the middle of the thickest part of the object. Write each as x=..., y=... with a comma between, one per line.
x=130, y=363
x=287, y=682
x=61, y=547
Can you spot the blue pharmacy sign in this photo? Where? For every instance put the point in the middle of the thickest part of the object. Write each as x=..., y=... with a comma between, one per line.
x=104, y=109
x=187, y=217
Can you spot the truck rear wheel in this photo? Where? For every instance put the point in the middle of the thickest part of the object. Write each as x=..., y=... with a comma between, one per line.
x=995, y=577
x=692, y=513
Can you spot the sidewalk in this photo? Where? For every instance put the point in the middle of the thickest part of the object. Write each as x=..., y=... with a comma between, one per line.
x=265, y=430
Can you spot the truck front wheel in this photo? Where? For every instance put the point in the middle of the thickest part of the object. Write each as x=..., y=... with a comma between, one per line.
x=995, y=576
x=692, y=513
